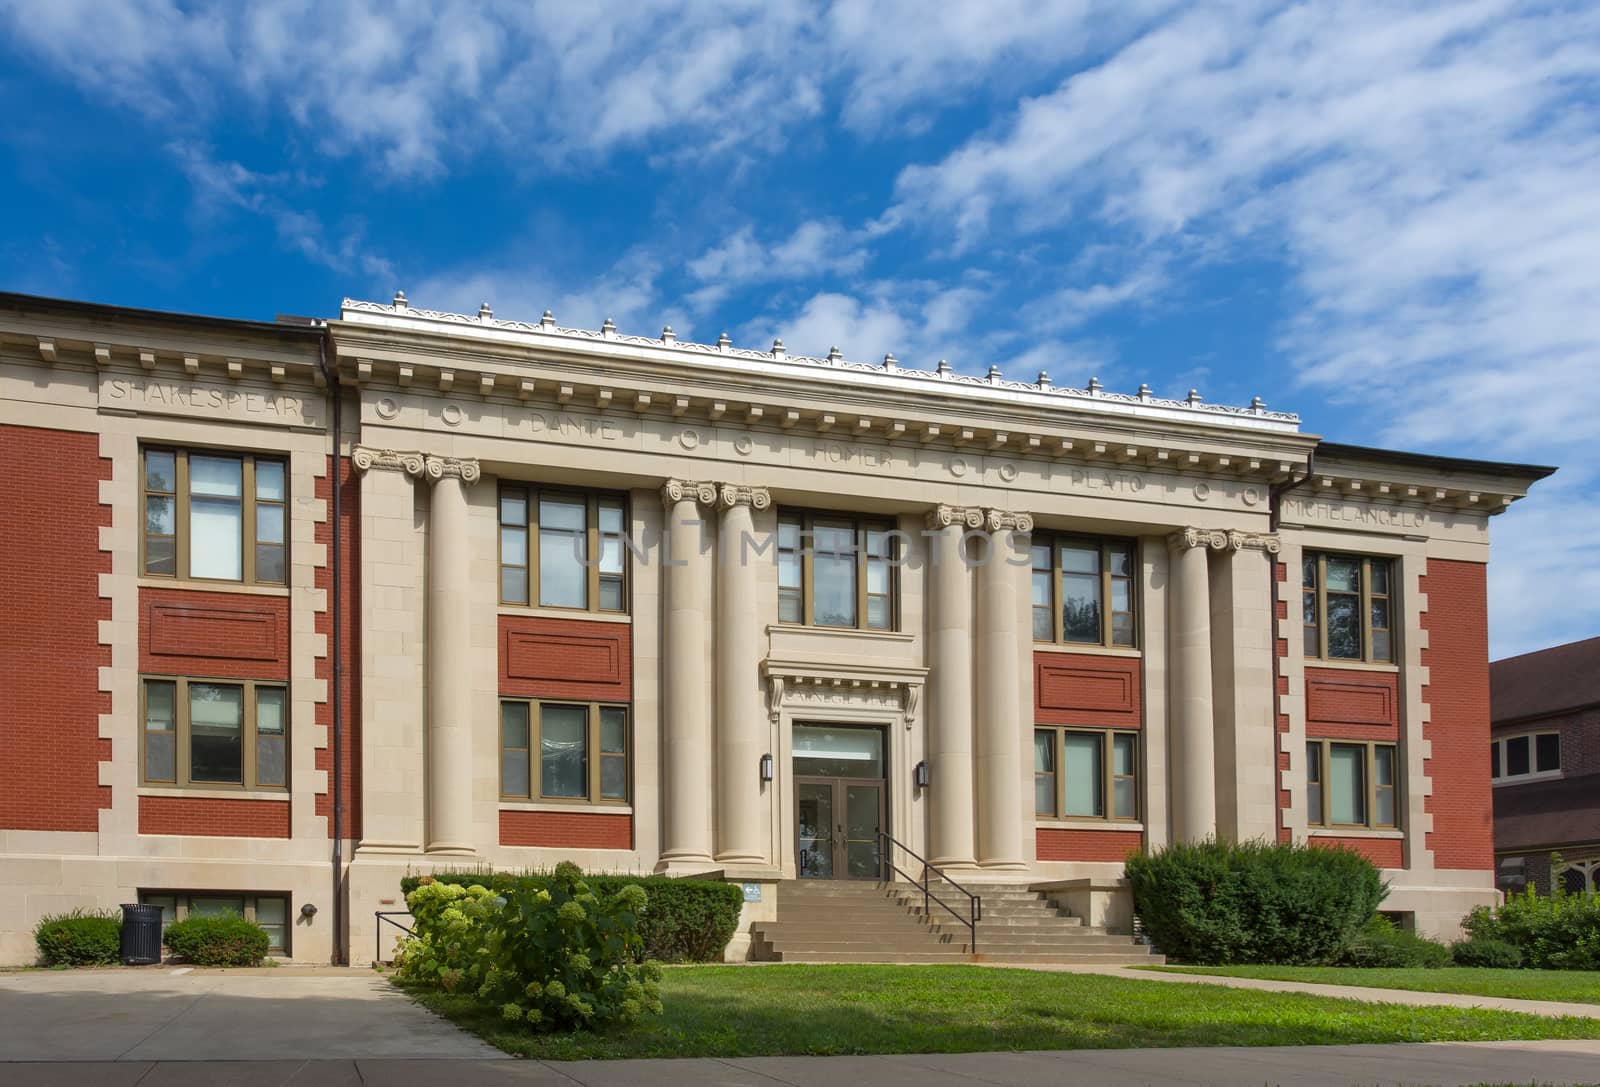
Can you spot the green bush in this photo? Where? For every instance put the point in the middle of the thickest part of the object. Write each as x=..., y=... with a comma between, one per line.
x=80, y=938
x=685, y=920
x=1559, y=932
x=1253, y=902
x=227, y=940
x=1496, y=954
x=1383, y=945
x=553, y=953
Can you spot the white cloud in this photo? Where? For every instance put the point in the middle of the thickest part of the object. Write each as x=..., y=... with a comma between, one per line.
x=816, y=248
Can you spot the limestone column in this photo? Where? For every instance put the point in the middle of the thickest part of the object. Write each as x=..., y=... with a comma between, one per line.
x=999, y=714
x=1193, y=762
x=950, y=814
x=448, y=651
x=741, y=719
x=686, y=703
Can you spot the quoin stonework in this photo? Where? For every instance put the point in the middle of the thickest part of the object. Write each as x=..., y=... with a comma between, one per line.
x=298, y=608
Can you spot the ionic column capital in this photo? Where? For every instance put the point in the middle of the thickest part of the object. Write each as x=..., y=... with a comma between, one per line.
x=1218, y=540
x=1007, y=521
x=465, y=469
x=367, y=458
x=730, y=495
x=965, y=516
x=678, y=490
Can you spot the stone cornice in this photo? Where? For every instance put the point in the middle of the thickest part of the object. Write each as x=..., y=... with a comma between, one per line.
x=943, y=516
x=465, y=469
x=1218, y=540
x=679, y=490
x=367, y=459
x=734, y=494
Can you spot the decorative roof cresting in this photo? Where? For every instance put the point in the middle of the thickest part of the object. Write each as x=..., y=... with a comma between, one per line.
x=1256, y=413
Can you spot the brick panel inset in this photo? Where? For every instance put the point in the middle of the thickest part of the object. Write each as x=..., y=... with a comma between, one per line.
x=1383, y=852
x=50, y=651
x=1348, y=705
x=565, y=658
x=213, y=817
x=1061, y=844
x=566, y=830
x=188, y=632
x=1457, y=659
x=1086, y=689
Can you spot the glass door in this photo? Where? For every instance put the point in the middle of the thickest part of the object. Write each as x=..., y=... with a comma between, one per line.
x=815, y=826
x=839, y=802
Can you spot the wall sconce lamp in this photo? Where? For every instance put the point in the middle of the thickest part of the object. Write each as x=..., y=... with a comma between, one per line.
x=308, y=911
x=766, y=768
x=919, y=774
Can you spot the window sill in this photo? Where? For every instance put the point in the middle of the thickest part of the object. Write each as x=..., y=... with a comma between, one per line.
x=190, y=585
x=1350, y=666
x=1526, y=779
x=573, y=614
x=281, y=795
x=1355, y=832
x=1088, y=650
x=582, y=806
x=894, y=636
x=1047, y=823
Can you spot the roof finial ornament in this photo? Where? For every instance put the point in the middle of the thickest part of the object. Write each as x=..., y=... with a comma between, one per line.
x=400, y=300
x=1095, y=386
x=943, y=369
x=1193, y=398
x=548, y=321
x=834, y=354
x=1144, y=391
x=1044, y=379
x=890, y=362
x=724, y=342
x=608, y=329
x=994, y=374
x=777, y=349
x=667, y=335
x=1257, y=405
x=485, y=314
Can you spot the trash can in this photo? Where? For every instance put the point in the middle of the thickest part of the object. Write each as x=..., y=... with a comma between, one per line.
x=141, y=935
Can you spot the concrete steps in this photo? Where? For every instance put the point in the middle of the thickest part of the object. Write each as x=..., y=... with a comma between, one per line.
x=838, y=921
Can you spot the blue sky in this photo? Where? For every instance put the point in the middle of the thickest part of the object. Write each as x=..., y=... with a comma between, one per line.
x=1383, y=216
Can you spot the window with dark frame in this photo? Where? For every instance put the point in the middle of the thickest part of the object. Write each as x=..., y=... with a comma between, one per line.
x=564, y=751
x=1347, y=607
x=1528, y=755
x=271, y=912
x=207, y=733
x=1351, y=784
x=1073, y=777
x=837, y=570
x=1083, y=591
x=563, y=549
x=214, y=516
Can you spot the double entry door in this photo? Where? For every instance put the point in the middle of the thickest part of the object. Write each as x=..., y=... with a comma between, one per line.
x=838, y=823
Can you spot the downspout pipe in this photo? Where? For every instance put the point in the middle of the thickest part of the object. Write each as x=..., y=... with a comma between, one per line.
x=1275, y=510
x=336, y=646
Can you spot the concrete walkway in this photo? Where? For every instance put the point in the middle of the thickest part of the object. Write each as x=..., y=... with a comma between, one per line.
x=1440, y=1065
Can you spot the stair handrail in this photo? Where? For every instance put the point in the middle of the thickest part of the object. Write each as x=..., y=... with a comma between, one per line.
x=974, y=902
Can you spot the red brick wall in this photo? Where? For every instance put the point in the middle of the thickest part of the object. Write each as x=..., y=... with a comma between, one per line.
x=565, y=658
x=350, y=647
x=1086, y=689
x=50, y=652
x=566, y=830
x=1457, y=659
x=1060, y=844
x=187, y=632
x=1352, y=705
x=209, y=817
x=1383, y=852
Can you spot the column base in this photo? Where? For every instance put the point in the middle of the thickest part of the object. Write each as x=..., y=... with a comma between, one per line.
x=1005, y=866
x=947, y=864
x=745, y=859
x=686, y=864
x=451, y=849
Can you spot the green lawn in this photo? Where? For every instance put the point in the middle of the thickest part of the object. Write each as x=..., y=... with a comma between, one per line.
x=1573, y=986
x=750, y=1011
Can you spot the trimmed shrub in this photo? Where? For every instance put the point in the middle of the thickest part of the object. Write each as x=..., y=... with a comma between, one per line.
x=1382, y=944
x=1559, y=932
x=552, y=953
x=1496, y=954
x=1254, y=902
x=684, y=920
x=227, y=940
x=80, y=938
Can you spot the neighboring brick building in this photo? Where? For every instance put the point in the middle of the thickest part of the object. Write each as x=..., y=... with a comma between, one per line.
x=409, y=567
x=1545, y=761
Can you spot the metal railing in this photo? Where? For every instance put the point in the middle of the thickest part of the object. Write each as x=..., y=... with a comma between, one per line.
x=383, y=918
x=974, y=902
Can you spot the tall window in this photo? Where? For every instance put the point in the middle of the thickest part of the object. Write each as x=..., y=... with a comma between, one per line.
x=1347, y=607
x=836, y=571
x=1083, y=591
x=214, y=516
x=1535, y=754
x=1086, y=773
x=563, y=549
x=214, y=733
x=1350, y=784
x=563, y=751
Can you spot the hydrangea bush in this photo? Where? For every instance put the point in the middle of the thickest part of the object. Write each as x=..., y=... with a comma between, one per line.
x=553, y=956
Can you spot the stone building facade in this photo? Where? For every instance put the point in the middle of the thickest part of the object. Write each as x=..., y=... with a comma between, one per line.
x=299, y=608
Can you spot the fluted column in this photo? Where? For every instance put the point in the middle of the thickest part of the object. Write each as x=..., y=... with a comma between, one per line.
x=950, y=815
x=686, y=709
x=740, y=718
x=1192, y=732
x=999, y=714
x=449, y=773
